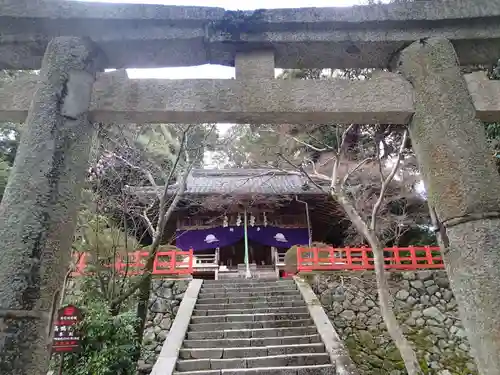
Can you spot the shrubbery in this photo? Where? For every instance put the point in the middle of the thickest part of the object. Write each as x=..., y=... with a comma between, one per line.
x=109, y=341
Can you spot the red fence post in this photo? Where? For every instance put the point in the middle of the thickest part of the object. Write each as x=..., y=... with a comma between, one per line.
x=138, y=266
x=428, y=255
x=364, y=258
x=413, y=257
x=134, y=263
x=155, y=263
x=299, y=258
x=395, y=255
x=118, y=264
x=190, y=265
x=315, y=257
x=80, y=265
x=348, y=257
x=172, y=261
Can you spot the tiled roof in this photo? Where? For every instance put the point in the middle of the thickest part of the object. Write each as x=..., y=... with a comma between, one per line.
x=248, y=181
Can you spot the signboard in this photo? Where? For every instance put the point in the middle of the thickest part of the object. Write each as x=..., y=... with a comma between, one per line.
x=66, y=336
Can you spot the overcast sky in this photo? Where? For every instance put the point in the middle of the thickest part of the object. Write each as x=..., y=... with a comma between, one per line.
x=214, y=71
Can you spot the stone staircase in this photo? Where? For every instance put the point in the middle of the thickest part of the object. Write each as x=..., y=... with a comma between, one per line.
x=257, y=272
x=252, y=327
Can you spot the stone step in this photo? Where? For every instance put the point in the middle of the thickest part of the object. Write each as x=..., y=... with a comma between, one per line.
x=254, y=362
x=247, y=305
x=230, y=300
x=232, y=289
x=257, y=293
x=251, y=333
x=264, y=310
x=252, y=342
x=265, y=276
x=224, y=326
x=249, y=317
x=288, y=370
x=235, y=283
x=245, y=352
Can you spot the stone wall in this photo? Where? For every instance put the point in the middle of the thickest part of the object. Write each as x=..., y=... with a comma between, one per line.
x=424, y=305
x=166, y=296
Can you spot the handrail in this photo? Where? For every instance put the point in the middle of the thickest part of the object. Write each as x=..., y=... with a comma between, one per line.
x=171, y=262
x=401, y=258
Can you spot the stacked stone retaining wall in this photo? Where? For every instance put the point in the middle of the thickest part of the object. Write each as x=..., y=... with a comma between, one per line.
x=166, y=296
x=424, y=305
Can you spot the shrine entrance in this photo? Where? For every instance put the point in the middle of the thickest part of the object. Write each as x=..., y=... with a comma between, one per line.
x=231, y=256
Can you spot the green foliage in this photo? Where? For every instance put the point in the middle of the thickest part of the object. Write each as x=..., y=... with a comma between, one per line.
x=109, y=341
x=234, y=23
x=493, y=135
x=101, y=237
x=10, y=134
x=4, y=176
x=125, y=152
x=109, y=336
x=9, y=141
x=419, y=235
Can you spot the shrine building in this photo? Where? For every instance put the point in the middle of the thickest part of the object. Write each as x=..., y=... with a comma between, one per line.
x=244, y=220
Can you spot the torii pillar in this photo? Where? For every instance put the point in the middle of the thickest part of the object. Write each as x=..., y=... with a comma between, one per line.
x=40, y=204
x=463, y=187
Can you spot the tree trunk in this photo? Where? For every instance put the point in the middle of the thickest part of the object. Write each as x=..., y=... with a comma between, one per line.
x=39, y=208
x=393, y=328
x=142, y=311
x=405, y=349
x=462, y=184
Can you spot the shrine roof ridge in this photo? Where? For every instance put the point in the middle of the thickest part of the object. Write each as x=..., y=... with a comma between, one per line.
x=245, y=172
x=241, y=181
x=147, y=35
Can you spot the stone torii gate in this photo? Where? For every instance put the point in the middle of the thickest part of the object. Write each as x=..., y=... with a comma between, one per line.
x=426, y=42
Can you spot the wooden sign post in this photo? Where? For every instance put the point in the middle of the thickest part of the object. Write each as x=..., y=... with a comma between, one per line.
x=66, y=337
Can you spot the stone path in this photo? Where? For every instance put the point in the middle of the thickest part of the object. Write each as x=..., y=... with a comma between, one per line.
x=252, y=327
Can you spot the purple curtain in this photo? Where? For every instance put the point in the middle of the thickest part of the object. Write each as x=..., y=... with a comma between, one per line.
x=203, y=239
x=279, y=237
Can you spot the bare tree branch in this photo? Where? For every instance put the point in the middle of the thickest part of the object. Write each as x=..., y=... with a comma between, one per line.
x=149, y=224
x=165, y=212
x=341, y=150
x=387, y=181
x=147, y=173
x=352, y=171
x=304, y=173
x=299, y=141
x=379, y=161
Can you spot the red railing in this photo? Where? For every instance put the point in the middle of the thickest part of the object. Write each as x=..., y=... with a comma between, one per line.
x=165, y=263
x=401, y=258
